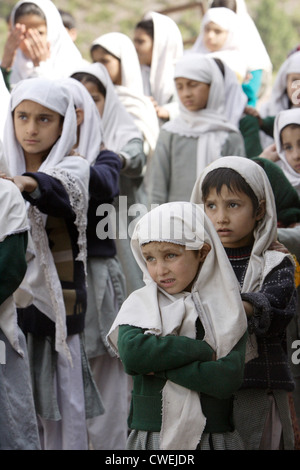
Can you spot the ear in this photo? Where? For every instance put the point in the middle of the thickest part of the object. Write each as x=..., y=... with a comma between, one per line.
x=260, y=213
x=79, y=116
x=203, y=252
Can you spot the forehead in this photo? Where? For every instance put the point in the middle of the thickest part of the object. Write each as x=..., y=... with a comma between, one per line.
x=32, y=21
x=290, y=131
x=226, y=193
x=214, y=26
x=161, y=247
x=29, y=106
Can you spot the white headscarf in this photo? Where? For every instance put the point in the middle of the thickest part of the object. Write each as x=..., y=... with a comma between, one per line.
x=279, y=100
x=167, y=48
x=130, y=92
x=284, y=118
x=210, y=124
x=4, y=100
x=118, y=126
x=64, y=55
x=219, y=308
x=73, y=172
x=13, y=221
x=91, y=128
x=231, y=52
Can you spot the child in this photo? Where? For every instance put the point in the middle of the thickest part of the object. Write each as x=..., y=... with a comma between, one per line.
x=178, y=337
x=121, y=136
x=117, y=53
x=105, y=278
x=38, y=44
x=238, y=199
x=159, y=45
x=199, y=135
x=287, y=141
x=39, y=135
x=18, y=426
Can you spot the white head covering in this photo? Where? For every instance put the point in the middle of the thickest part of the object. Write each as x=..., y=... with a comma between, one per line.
x=220, y=310
x=231, y=52
x=130, y=92
x=91, y=127
x=64, y=55
x=4, y=100
x=73, y=172
x=283, y=119
x=254, y=49
x=210, y=124
x=167, y=48
x=279, y=100
x=118, y=126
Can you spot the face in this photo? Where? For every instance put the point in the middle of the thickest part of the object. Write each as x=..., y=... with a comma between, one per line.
x=98, y=98
x=232, y=216
x=293, y=88
x=192, y=94
x=171, y=266
x=214, y=37
x=37, y=129
x=111, y=63
x=33, y=22
x=290, y=141
x=143, y=45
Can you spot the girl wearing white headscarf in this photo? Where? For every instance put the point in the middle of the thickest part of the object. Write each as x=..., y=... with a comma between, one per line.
x=56, y=57
x=155, y=328
x=105, y=278
x=130, y=88
x=54, y=317
x=120, y=135
x=283, y=119
x=167, y=48
x=266, y=277
x=194, y=139
x=230, y=52
x=18, y=425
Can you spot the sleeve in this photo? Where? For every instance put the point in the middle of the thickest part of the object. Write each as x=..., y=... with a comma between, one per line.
x=160, y=169
x=268, y=125
x=249, y=127
x=12, y=263
x=219, y=379
x=134, y=158
x=52, y=197
x=275, y=304
x=251, y=87
x=104, y=176
x=143, y=353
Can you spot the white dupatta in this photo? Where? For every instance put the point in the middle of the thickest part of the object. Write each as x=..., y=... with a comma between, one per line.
x=73, y=172
x=151, y=308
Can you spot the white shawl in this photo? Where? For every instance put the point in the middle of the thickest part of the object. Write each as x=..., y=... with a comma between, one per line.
x=220, y=310
x=130, y=92
x=231, y=53
x=284, y=118
x=210, y=124
x=64, y=55
x=4, y=100
x=73, y=172
x=13, y=220
x=167, y=48
x=90, y=132
x=118, y=126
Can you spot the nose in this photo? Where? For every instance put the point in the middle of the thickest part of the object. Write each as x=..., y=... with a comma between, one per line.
x=221, y=217
x=296, y=154
x=161, y=268
x=31, y=127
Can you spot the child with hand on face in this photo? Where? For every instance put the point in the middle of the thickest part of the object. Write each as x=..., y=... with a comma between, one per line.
x=181, y=339
x=239, y=200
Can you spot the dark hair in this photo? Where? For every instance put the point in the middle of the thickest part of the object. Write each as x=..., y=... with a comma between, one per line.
x=67, y=19
x=97, y=46
x=29, y=8
x=85, y=77
x=147, y=26
x=292, y=125
x=231, y=4
x=219, y=177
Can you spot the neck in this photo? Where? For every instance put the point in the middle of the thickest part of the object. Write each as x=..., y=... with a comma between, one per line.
x=33, y=162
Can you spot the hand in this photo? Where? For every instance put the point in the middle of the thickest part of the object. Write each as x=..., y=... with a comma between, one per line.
x=38, y=51
x=248, y=308
x=277, y=246
x=253, y=112
x=25, y=183
x=161, y=112
x=13, y=41
x=270, y=153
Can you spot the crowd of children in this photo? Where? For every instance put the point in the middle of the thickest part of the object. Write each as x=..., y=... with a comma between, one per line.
x=149, y=236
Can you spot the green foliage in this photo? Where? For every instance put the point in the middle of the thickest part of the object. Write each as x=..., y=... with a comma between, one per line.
x=277, y=30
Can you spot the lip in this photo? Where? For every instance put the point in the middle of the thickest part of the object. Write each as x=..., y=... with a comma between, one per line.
x=224, y=232
x=167, y=282
x=31, y=141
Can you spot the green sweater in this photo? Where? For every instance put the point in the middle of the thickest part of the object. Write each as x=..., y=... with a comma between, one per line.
x=12, y=263
x=187, y=362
